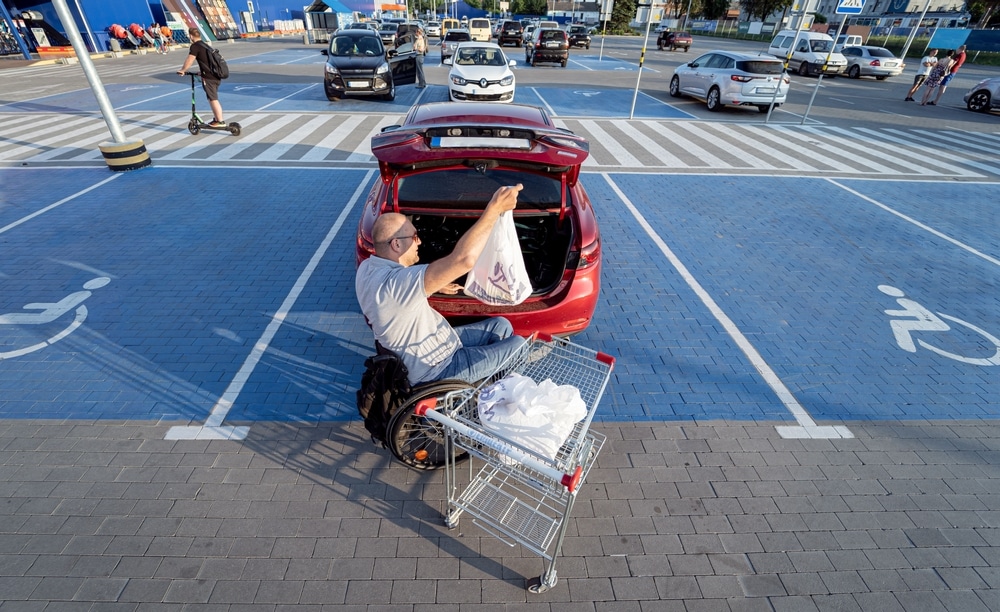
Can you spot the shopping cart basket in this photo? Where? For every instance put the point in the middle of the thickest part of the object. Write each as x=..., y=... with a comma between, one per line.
x=514, y=492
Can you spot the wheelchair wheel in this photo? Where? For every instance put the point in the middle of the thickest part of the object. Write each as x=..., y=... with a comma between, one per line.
x=417, y=441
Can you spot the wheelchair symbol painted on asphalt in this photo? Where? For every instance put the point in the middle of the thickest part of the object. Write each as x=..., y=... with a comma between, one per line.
x=920, y=319
x=587, y=94
x=47, y=312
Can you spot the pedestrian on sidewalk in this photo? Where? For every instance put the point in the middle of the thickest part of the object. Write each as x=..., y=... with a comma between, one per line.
x=935, y=77
x=926, y=65
x=956, y=62
x=420, y=47
x=198, y=52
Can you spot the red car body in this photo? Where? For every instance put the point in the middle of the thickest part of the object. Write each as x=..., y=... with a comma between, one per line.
x=441, y=166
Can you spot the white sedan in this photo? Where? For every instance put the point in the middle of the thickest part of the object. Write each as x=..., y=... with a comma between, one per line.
x=480, y=72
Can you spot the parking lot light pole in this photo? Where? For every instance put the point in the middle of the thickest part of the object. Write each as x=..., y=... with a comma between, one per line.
x=913, y=33
x=642, y=55
x=121, y=154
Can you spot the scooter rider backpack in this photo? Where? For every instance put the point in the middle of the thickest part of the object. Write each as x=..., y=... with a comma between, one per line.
x=216, y=64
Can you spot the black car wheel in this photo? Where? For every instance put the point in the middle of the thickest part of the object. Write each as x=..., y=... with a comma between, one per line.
x=391, y=94
x=675, y=86
x=714, y=100
x=979, y=102
x=659, y=45
x=804, y=69
x=686, y=49
x=854, y=72
x=763, y=107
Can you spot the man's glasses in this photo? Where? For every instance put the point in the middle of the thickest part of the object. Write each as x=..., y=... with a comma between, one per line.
x=414, y=236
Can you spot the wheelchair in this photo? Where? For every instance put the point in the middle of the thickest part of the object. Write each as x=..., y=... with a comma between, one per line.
x=416, y=441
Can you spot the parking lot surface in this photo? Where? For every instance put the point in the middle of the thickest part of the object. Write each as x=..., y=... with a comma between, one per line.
x=802, y=415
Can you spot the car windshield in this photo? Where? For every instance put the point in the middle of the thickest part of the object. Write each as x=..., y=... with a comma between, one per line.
x=479, y=56
x=759, y=67
x=469, y=189
x=343, y=46
x=820, y=45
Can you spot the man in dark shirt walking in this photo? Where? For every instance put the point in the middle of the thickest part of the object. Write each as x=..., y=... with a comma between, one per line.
x=199, y=53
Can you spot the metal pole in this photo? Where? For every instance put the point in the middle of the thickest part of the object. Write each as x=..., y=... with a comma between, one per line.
x=913, y=32
x=642, y=56
x=826, y=62
x=83, y=18
x=88, y=69
x=687, y=16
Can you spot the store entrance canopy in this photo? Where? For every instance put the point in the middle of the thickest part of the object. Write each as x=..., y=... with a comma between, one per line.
x=321, y=6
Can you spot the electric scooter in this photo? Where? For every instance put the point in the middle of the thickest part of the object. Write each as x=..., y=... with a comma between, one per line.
x=196, y=125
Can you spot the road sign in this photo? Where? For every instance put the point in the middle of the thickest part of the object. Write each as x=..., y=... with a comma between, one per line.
x=850, y=7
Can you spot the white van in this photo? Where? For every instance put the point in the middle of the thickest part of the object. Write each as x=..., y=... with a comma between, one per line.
x=810, y=52
x=479, y=29
x=554, y=25
x=847, y=40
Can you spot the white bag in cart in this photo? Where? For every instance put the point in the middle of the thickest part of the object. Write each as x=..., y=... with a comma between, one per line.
x=499, y=277
x=539, y=417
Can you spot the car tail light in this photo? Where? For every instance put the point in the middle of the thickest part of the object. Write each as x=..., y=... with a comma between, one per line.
x=787, y=79
x=590, y=254
x=875, y=63
x=741, y=78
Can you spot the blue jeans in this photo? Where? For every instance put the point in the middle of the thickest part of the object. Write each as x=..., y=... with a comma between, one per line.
x=486, y=345
x=420, y=70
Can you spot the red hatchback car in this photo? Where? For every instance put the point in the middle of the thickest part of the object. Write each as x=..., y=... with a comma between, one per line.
x=442, y=165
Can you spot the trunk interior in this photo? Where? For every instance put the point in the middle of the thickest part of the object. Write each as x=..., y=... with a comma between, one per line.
x=545, y=242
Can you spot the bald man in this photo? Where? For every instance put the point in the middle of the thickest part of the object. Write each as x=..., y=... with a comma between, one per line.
x=392, y=290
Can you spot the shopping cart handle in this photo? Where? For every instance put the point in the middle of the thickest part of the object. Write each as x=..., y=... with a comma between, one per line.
x=424, y=405
x=570, y=481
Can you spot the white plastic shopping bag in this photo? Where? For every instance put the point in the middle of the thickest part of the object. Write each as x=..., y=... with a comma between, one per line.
x=539, y=417
x=499, y=277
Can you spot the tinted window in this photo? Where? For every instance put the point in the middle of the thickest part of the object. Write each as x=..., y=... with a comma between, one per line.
x=715, y=61
x=469, y=189
x=852, y=51
x=553, y=35
x=759, y=67
x=457, y=36
x=880, y=52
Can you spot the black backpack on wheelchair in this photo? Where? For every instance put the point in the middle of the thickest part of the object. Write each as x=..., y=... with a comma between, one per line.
x=386, y=402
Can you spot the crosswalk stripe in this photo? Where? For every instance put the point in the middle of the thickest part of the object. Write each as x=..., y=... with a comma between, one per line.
x=615, y=143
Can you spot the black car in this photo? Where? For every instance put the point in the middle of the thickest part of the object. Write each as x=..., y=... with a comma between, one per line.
x=510, y=33
x=357, y=65
x=579, y=36
x=547, y=45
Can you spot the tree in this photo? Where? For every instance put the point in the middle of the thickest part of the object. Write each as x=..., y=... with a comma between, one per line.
x=820, y=18
x=714, y=9
x=621, y=16
x=762, y=9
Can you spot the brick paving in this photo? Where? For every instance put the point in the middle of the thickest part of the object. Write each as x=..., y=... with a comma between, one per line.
x=708, y=516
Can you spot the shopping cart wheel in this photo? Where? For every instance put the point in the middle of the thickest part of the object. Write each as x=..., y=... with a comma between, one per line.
x=417, y=441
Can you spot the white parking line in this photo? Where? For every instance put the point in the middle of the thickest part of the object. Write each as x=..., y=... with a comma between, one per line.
x=42, y=211
x=213, y=429
x=807, y=427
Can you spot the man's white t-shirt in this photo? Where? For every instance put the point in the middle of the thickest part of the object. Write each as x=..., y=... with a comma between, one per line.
x=392, y=298
x=927, y=63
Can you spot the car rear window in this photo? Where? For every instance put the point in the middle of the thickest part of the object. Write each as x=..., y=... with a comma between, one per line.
x=553, y=35
x=759, y=67
x=470, y=189
x=880, y=52
x=459, y=36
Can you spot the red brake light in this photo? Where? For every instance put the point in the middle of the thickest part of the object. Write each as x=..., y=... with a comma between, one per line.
x=741, y=78
x=875, y=63
x=590, y=254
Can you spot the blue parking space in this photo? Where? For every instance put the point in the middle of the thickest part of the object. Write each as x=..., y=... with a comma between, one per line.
x=808, y=270
x=131, y=300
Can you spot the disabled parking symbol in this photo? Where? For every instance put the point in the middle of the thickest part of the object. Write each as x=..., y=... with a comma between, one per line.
x=42, y=313
x=914, y=317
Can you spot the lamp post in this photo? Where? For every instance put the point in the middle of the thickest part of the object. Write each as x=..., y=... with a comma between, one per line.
x=649, y=7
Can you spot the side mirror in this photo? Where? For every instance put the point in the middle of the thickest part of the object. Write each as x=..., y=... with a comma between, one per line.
x=693, y=65
x=325, y=52
x=448, y=61
x=512, y=63
x=390, y=53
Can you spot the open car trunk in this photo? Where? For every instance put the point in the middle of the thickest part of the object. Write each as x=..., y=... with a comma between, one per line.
x=444, y=203
x=545, y=242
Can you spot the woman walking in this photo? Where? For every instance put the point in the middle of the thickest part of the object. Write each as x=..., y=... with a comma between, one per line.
x=935, y=77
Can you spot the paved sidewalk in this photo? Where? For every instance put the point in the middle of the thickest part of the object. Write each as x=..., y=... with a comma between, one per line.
x=711, y=516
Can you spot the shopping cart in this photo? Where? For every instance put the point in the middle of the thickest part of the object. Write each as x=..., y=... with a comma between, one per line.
x=514, y=492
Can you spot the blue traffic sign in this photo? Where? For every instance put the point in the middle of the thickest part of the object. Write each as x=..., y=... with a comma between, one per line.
x=850, y=7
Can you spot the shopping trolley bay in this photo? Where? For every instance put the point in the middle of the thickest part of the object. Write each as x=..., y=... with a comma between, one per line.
x=798, y=301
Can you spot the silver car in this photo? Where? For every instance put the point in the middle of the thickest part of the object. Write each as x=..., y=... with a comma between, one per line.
x=878, y=62
x=984, y=96
x=726, y=78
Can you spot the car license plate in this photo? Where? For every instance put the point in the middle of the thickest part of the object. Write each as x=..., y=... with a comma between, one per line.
x=552, y=45
x=354, y=84
x=765, y=90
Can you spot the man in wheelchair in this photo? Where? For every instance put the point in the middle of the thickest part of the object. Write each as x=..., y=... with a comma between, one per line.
x=392, y=290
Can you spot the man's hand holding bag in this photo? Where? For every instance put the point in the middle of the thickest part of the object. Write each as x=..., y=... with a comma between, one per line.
x=499, y=277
